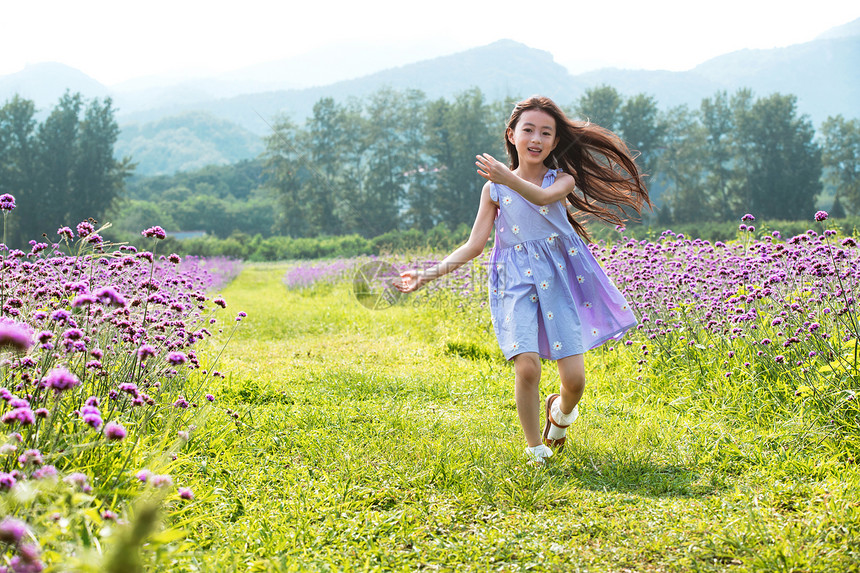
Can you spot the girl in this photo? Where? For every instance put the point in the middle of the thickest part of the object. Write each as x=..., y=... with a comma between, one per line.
x=549, y=298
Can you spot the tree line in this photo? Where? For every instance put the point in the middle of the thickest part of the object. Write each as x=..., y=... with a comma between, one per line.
x=61, y=171
x=396, y=161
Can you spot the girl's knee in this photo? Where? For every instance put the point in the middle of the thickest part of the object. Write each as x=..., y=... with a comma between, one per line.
x=527, y=367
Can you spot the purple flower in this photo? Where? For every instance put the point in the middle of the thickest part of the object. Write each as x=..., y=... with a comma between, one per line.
x=12, y=530
x=186, y=493
x=65, y=232
x=23, y=416
x=107, y=295
x=7, y=481
x=143, y=475
x=80, y=480
x=83, y=299
x=176, y=358
x=85, y=228
x=30, y=457
x=45, y=472
x=7, y=202
x=220, y=302
x=821, y=216
x=156, y=232
x=181, y=403
x=15, y=335
x=210, y=397
x=145, y=351
x=114, y=431
x=174, y=258
x=161, y=480
x=748, y=217
x=61, y=379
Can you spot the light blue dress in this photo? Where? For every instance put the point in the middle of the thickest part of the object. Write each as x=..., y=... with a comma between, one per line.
x=548, y=294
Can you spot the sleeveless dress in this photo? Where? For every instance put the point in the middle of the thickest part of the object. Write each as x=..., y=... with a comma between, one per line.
x=548, y=294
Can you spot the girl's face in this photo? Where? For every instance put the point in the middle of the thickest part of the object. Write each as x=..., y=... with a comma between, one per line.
x=534, y=136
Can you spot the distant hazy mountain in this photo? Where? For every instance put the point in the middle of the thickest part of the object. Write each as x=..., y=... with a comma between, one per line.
x=169, y=126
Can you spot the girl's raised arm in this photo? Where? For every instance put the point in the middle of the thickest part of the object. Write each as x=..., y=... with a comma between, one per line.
x=494, y=170
x=474, y=246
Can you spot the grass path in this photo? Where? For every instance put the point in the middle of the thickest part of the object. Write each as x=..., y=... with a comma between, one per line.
x=362, y=445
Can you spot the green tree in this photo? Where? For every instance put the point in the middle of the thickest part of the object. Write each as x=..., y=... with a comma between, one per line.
x=841, y=159
x=685, y=197
x=641, y=126
x=717, y=155
x=464, y=129
x=18, y=163
x=286, y=175
x=780, y=161
x=600, y=105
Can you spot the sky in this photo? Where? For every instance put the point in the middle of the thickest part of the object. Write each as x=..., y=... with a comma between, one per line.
x=114, y=41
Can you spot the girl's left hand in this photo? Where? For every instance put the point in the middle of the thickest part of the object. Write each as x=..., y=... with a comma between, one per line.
x=492, y=169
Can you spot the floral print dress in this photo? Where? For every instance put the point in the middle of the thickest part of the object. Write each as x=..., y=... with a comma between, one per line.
x=548, y=294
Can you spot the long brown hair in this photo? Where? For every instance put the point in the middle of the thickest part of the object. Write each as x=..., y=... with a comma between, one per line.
x=600, y=162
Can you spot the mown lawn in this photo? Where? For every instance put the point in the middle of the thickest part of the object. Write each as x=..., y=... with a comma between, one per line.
x=356, y=440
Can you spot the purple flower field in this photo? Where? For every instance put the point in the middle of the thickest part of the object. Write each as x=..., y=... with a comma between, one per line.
x=97, y=356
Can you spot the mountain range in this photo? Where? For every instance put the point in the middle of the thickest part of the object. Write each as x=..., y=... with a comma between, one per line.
x=185, y=123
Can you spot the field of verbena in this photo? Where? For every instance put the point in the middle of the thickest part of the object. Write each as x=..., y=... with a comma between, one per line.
x=101, y=387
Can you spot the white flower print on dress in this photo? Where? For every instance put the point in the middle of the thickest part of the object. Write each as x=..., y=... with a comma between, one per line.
x=556, y=345
x=506, y=200
x=572, y=251
x=533, y=298
x=515, y=345
x=624, y=306
x=518, y=248
x=544, y=210
x=507, y=317
x=560, y=266
x=550, y=315
x=515, y=229
x=537, y=256
x=580, y=279
x=528, y=272
x=544, y=285
x=587, y=304
x=593, y=332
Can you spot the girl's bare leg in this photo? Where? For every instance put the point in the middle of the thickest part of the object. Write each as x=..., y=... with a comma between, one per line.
x=571, y=370
x=527, y=395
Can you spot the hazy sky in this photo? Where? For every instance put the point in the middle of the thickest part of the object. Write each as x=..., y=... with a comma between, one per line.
x=113, y=40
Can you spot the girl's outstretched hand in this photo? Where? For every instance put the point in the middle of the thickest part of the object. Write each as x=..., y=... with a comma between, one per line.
x=409, y=281
x=492, y=169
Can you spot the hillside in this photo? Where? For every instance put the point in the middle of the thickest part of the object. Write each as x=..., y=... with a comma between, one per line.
x=179, y=126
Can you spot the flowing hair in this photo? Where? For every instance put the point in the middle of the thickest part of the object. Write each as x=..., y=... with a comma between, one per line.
x=600, y=162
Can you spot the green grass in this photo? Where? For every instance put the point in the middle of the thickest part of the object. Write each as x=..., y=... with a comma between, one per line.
x=357, y=440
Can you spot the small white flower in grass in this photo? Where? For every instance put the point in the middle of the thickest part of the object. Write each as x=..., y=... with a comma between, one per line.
x=544, y=210
x=544, y=285
x=572, y=251
x=533, y=298
x=515, y=229
x=506, y=200
x=556, y=345
x=580, y=279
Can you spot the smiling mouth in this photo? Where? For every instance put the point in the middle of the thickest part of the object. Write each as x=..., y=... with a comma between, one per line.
x=534, y=150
